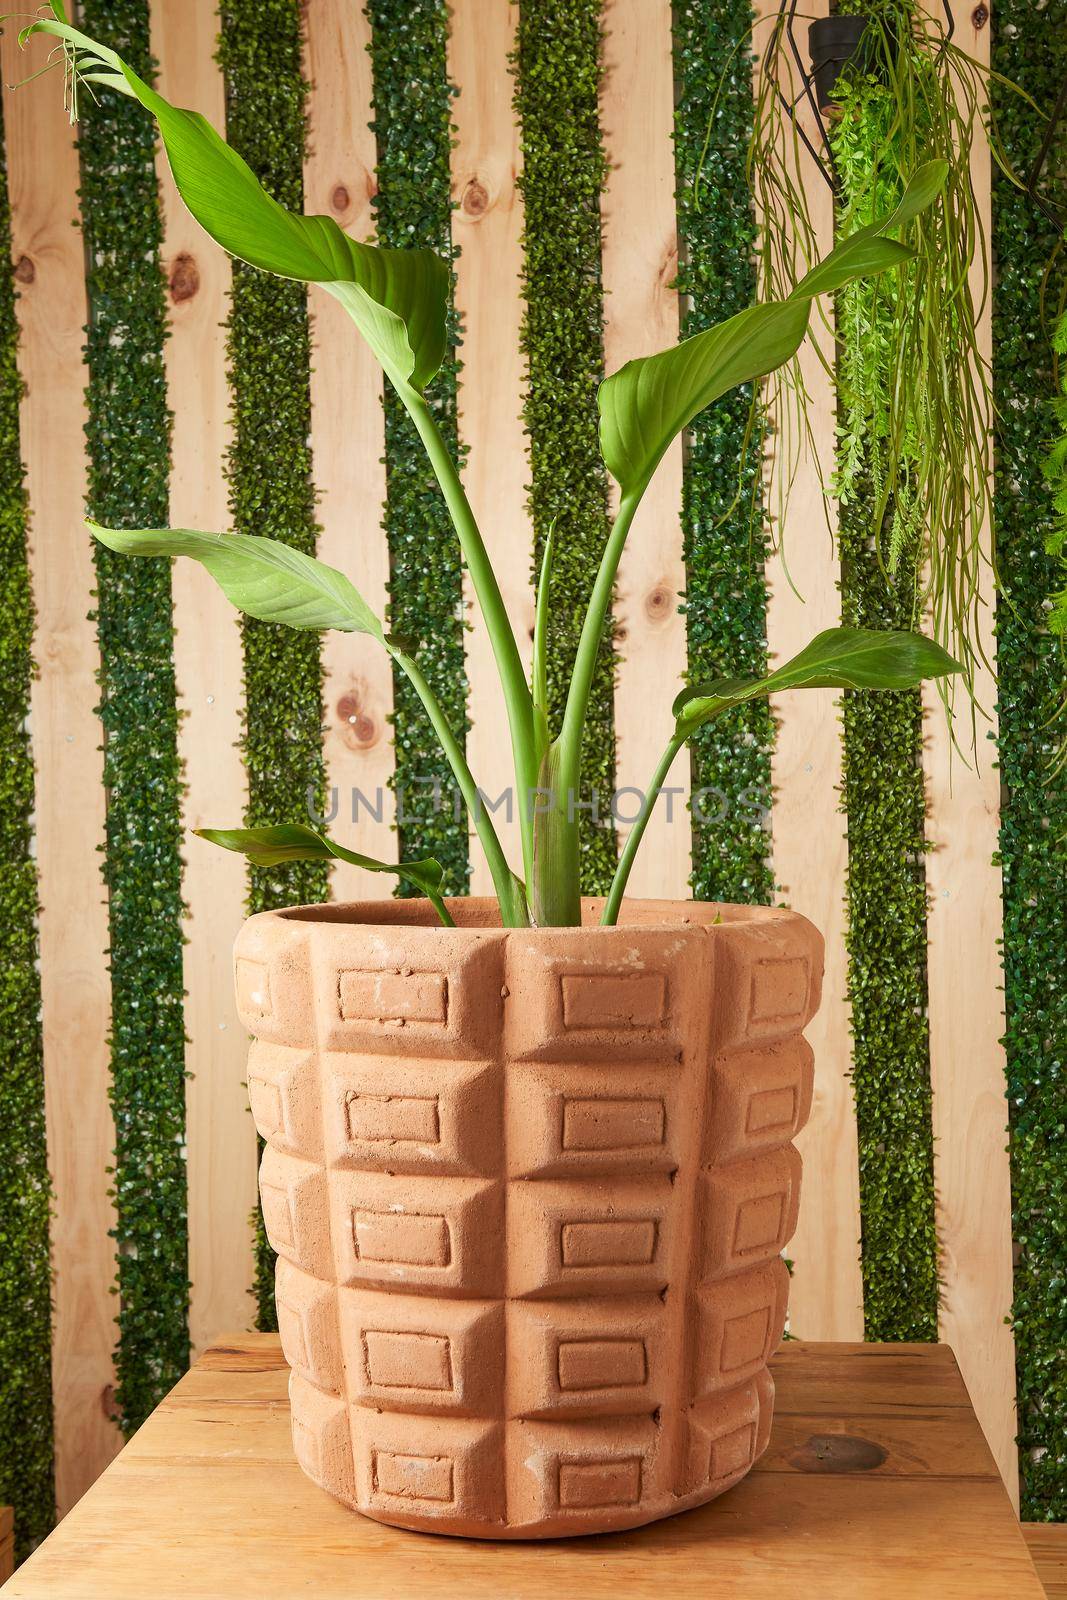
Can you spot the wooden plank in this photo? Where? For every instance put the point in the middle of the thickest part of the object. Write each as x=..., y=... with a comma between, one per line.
x=208, y=1497
x=809, y=844
x=348, y=445
x=220, y=1137
x=640, y=264
x=43, y=179
x=7, y=1543
x=970, y=1112
x=487, y=228
x=1047, y=1544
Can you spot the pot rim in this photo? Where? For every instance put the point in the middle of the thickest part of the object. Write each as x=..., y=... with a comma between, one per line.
x=480, y=913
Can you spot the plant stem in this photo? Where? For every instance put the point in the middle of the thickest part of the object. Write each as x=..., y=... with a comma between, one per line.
x=610, y=915
x=596, y=615
x=509, y=891
x=517, y=696
x=553, y=886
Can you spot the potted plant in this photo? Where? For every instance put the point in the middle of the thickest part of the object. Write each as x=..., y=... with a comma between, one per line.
x=529, y=1165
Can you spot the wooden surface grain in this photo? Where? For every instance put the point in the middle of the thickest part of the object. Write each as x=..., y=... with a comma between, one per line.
x=42, y=164
x=640, y=265
x=972, y=1175
x=347, y=448
x=1047, y=1544
x=808, y=832
x=487, y=231
x=877, y=1485
x=220, y=1137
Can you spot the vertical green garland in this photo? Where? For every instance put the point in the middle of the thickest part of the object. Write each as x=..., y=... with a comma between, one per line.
x=1030, y=47
x=129, y=463
x=413, y=207
x=558, y=67
x=25, y=1278
x=884, y=799
x=725, y=546
x=271, y=492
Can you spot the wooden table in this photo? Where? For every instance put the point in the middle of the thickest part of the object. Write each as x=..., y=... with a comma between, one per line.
x=877, y=1483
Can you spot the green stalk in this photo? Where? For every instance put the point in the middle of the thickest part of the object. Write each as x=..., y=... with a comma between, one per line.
x=553, y=885
x=517, y=696
x=610, y=914
x=509, y=891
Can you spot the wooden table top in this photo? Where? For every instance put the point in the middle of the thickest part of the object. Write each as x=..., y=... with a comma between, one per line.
x=877, y=1483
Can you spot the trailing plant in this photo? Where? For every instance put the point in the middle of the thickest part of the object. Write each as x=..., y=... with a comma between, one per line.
x=914, y=386
x=725, y=545
x=1033, y=809
x=26, y=1450
x=398, y=300
x=128, y=434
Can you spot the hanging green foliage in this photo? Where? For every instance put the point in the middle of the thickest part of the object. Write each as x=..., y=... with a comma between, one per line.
x=129, y=464
x=1030, y=46
x=725, y=540
x=557, y=81
x=883, y=792
x=25, y=1193
x=271, y=492
x=915, y=391
x=413, y=206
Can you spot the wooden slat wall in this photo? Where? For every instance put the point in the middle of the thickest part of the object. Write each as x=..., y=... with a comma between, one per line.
x=640, y=264
x=970, y=1111
x=220, y=1138
x=347, y=444
x=50, y=276
x=809, y=841
x=487, y=228
x=810, y=850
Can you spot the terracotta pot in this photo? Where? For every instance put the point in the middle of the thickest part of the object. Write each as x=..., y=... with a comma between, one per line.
x=529, y=1191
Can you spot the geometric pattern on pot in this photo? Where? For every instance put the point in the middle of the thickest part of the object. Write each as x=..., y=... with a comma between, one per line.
x=529, y=1191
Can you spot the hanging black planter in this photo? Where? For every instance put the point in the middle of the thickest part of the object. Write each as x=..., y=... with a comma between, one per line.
x=833, y=42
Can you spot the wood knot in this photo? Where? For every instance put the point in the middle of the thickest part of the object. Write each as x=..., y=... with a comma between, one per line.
x=980, y=16
x=475, y=198
x=359, y=728
x=340, y=199
x=838, y=1452
x=25, y=271
x=107, y=1402
x=184, y=280
x=658, y=603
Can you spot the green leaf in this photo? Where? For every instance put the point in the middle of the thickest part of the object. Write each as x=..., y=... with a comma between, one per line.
x=649, y=401
x=295, y=841
x=260, y=577
x=839, y=658
x=397, y=298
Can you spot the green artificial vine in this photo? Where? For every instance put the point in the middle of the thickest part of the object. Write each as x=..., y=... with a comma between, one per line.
x=26, y=1449
x=557, y=81
x=1030, y=46
x=883, y=792
x=271, y=492
x=128, y=435
x=413, y=206
x=1056, y=474
x=725, y=545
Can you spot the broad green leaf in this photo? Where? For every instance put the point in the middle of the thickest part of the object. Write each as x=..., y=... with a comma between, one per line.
x=295, y=841
x=397, y=298
x=839, y=658
x=260, y=577
x=649, y=401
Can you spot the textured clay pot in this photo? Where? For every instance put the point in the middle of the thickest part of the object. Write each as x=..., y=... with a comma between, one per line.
x=529, y=1191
